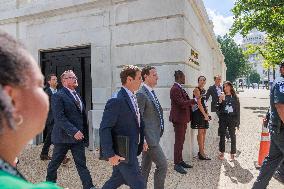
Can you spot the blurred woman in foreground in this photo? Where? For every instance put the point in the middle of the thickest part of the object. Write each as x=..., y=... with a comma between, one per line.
x=23, y=110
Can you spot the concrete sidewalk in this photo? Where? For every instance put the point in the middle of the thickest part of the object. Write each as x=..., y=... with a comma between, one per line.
x=205, y=174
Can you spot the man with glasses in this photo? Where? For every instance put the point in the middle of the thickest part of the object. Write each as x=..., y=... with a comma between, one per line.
x=70, y=130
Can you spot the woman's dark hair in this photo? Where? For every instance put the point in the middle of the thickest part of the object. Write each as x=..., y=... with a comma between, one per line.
x=14, y=66
x=200, y=78
x=178, y=74
x=233, y=92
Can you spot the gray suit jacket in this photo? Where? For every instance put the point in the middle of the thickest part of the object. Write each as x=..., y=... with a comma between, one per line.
x=150, y=116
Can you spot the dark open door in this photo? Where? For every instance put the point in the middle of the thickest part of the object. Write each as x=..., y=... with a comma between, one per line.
x=77, y=59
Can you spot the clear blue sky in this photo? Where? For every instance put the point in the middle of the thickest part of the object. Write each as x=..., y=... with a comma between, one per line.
x=219, y=11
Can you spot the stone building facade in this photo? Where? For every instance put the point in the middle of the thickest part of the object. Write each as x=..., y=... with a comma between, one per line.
x=168, y=34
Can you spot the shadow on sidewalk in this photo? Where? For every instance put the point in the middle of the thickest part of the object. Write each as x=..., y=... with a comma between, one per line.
x=237, y=173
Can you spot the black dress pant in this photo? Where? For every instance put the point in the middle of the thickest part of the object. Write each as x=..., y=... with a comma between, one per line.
x=227, y=122
x=78, y=153
x=128, y=174
x=47, y=140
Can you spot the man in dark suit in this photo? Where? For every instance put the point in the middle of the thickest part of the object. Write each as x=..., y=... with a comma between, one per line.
x=180, y=115
x=70, y=130
x=214, y=91
x=152, y=115
x=50, y=90
x=121, y=117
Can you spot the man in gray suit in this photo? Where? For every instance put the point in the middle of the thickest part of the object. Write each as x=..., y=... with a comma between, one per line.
x=152, y=115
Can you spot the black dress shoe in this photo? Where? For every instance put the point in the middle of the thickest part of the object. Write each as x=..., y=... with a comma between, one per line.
x=185, y=165
x=179, y=169
x=202, y=157
x=278, y=177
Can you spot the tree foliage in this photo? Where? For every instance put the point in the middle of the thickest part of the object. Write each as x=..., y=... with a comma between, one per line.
x=235, y=60
x=264, y=15
x=254, y=77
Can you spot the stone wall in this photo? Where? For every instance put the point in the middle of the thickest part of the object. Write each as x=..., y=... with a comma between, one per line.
x=161, y=33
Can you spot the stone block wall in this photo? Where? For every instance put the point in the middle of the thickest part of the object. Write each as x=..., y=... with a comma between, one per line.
x=161, y=33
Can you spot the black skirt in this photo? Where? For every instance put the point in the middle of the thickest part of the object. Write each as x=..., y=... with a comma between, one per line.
x=198, y=121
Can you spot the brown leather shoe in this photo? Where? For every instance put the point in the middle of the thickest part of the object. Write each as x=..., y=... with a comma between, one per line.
x=66, y=160
x=45, y=157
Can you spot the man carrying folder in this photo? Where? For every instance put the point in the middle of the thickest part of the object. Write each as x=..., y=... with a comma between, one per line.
x=121, y=133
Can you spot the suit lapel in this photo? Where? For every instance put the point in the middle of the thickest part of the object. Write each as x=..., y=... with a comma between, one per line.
x=72, y=98
x=148, y=93
x=183, y=92
x=128, y=100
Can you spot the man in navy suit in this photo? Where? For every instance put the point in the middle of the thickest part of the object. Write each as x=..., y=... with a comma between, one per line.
x=70, y=130
x=50, y=90
x=122, y=117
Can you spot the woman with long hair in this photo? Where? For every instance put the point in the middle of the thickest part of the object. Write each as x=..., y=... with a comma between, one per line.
x=229, y=108
x=23, y=110
x=200, y=116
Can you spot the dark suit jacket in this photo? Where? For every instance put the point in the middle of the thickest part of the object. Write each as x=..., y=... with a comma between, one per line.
x=212, y=91
x=119, y=118
x=49, y=121
x=180, y=105
x=68, y=119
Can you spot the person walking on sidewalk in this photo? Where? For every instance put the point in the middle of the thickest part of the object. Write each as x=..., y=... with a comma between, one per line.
x=70, y=130
x=229, y=114
x=121, y=117
x=152, y=115
x=50, y=90
x=276, y=129
x=180, y=116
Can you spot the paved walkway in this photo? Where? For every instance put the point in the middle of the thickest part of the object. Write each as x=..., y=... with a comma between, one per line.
x=205, y=174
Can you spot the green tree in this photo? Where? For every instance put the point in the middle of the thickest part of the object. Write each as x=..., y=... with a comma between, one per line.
x=264, y=15
x=254, y=77
x=235, y=60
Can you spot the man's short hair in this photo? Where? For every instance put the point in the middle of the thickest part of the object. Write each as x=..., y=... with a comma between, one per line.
x=216, y=76
x=178, y=75
x=49, y=76
x=146, y=71
x=65, y=73
x=128, y=70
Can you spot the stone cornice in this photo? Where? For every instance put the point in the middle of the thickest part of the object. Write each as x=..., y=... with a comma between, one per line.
x=207, y=24
x=51, y=8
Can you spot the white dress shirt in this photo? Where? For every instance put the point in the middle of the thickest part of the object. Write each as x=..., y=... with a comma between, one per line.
x=133, y=99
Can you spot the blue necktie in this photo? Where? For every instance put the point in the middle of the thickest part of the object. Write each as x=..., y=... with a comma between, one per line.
x=158, y=106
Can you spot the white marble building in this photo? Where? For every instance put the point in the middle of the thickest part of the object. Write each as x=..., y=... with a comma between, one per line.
x=168, y=34
x=256, y=38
